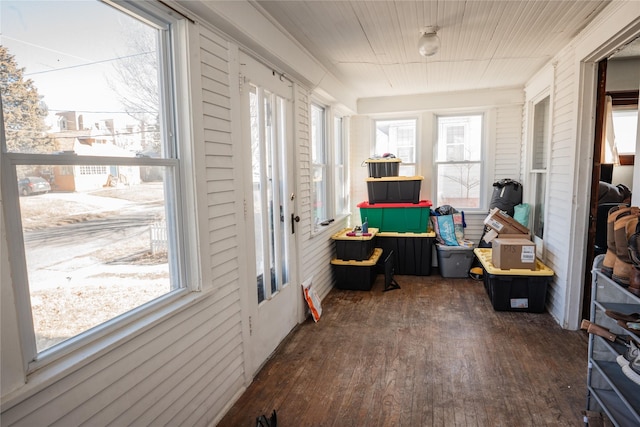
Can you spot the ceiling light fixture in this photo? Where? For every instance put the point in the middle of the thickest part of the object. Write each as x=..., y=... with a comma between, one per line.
x=429, y=43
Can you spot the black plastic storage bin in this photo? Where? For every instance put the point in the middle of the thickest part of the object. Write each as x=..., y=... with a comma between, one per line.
x=517, y=289
x=356, y=248
x=398, y=189
x=411, y=251
x=516, y=293
x=356, y=275
x=383, y=167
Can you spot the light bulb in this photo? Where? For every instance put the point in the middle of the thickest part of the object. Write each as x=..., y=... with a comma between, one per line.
x=429, y=43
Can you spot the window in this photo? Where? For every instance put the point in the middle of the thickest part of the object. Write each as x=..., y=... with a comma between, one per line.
x=538, y=169
x=397, y=137
x=330, y=196
x=104, y=239
x=625, y=125
x=340, y=155
x=319, y=165
x=458, y=163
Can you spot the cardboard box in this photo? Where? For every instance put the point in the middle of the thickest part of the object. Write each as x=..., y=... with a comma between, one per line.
x=510, y=253
x=503, y=223
x=492, y=234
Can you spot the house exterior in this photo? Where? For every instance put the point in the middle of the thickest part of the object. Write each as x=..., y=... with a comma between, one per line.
x=188, y=361
x=77, y=134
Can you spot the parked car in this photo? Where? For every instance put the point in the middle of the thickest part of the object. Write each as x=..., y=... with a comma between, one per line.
x=33, y=185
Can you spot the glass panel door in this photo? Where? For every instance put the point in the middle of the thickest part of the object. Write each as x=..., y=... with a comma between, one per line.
x=268, y=168
x=270, y=201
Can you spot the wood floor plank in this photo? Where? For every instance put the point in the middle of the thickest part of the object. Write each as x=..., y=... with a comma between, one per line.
x=432, y=353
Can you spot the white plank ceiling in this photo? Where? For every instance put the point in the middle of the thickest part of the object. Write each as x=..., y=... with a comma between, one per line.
x=372, y=45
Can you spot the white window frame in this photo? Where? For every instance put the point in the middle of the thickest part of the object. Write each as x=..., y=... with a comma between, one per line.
x=534, y=172
x=181, y=200
x=404, y=165
x=630, y=110
x=482, y=202
x=330, y=166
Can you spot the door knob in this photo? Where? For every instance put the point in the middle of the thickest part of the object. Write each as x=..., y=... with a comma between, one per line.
x=294, y=219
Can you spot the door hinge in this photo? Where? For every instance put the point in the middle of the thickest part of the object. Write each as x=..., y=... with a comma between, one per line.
x=250, y=327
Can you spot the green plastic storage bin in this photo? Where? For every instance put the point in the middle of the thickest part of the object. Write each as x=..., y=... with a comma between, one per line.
x=398, y=217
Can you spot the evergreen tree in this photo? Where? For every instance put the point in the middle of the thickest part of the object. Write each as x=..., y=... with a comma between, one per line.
x=24, y=112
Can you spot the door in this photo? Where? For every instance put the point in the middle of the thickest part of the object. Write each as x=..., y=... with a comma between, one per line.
x=270, y=205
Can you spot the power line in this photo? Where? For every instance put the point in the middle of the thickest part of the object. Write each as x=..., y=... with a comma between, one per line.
x=88, y=63
x=54, y=110
x=44, y=47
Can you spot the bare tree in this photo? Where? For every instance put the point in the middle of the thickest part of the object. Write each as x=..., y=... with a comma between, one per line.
x=463, y=176
x=136, y=83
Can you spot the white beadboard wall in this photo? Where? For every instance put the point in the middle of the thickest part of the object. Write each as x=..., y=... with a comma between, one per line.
x=360, y=138
x=508, y=144
x=316, y=250
x=560, y=190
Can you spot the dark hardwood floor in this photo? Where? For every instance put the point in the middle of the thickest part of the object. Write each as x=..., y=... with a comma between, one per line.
x=433, y=353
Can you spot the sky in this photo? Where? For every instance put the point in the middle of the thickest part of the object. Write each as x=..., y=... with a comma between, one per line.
x=68, y=48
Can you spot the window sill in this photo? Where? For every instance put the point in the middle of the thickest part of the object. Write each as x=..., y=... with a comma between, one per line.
x=337, y=223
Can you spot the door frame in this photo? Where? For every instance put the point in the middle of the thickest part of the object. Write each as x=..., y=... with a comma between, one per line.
x=589, y=51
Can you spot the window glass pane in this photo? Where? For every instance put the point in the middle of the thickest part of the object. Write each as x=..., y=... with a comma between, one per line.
x=338, y=142
x=340, y=192
x=407, y=170
x=317, y=135
x=459, y=138
x=538, y=208
x=397, y=137
x=625, y=125
x=319, y=189
x=458, y=160
x=96, y=247
x=271, y=186
x=256, y=168
x=540, y=134
x=459, y=185
x=340, y=175
x=280, y=220
x=89, y=80
x=100, y=237
x=318, y=150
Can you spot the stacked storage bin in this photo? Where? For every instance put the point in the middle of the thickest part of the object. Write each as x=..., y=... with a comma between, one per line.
x=356, y=259
x=515, y=289
x=401, y=218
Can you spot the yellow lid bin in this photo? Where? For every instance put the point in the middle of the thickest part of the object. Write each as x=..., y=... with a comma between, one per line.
x=517, y=289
